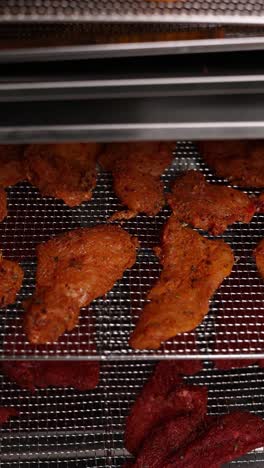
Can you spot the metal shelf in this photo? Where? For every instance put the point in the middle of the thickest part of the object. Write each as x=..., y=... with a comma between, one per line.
x=234, y=326
x=216, y=11
x=65, y=428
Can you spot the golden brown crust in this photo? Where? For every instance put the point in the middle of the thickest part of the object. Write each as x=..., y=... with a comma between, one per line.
x=241, y=162
x=73, y=270
x=65, y=171
x=259, y=257
x=207, y=206
x=3, y=204
x=11, y=277
x=12, y=165
x=193, y=268
x=136, y=169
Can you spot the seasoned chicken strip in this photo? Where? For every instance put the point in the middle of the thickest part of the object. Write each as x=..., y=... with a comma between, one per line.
x=208, y=206
x=241, y=162
x=193, y=268
x=12, y=165
x=11, y=277
x=136, y=169
x=65, y=170
x=3, y=204
x=259, y=257
x=73, y=270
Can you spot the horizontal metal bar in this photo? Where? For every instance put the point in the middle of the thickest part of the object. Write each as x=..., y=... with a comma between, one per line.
x=82, y=52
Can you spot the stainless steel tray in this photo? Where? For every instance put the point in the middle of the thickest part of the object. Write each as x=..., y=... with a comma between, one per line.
x=215, y=11
x=234, y=325
x=65, y=428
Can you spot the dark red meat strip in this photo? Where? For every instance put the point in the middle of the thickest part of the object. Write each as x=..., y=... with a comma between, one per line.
x=229, y=437
x=30, y=375
x=170, y=436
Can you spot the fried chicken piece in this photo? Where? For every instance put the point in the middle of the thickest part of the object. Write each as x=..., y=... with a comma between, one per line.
x=11, y=277
x=228, y=437
x=241, y=162
x=162, y=397
x=207, y=206
x=3, y=204
x=29, y=375
x=65, y=170
x=12, y=165
x=136, y=169
x=259, y=257
x=73, y=270
x=193, y=268
x=6, y=413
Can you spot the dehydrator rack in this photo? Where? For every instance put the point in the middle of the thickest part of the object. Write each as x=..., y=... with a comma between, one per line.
x=234, y=325
x=191, y=11
x=64, y=428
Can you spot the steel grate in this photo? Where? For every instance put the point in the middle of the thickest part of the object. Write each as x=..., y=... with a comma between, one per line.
x=220, y=11
x=65, y=428
x=234, y=325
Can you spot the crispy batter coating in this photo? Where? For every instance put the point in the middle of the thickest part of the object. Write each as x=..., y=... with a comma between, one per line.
x=207, y=206
x=193, y=268
x=6, y=413
x=259, y=257
x=82, y=375
x=65, y=170
x=11, y=277
x=12, y=165
x=3, y=204
x=227, y=438
x=136, y=169
x=73, y=270
x=241, y=162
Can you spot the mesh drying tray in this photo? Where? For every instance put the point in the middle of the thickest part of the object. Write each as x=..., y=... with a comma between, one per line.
x=66, y=428
x=216, y=11
x=234, y=325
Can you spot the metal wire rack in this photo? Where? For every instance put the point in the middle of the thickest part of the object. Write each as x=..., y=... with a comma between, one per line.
x=66, y=428
x=234, y=325
x=217, y=11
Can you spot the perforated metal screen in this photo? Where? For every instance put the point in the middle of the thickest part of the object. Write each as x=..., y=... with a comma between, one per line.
x=221, y=11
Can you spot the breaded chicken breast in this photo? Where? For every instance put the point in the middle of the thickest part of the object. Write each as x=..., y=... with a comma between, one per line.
x=65, y=171
x=207, y=206
x=193, y=268
x=136, y=169
x=73, y=270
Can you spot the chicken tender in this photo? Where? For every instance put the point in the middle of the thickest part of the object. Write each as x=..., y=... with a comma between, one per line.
x=193, y=268
x=259, y=257
x=136, y=169
x=207, y=206
x=73, y=270
x=3, y=204
x=12, y=165
x=29, y=375
x=11, y=277
x=66, y=171
x=241, y=162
